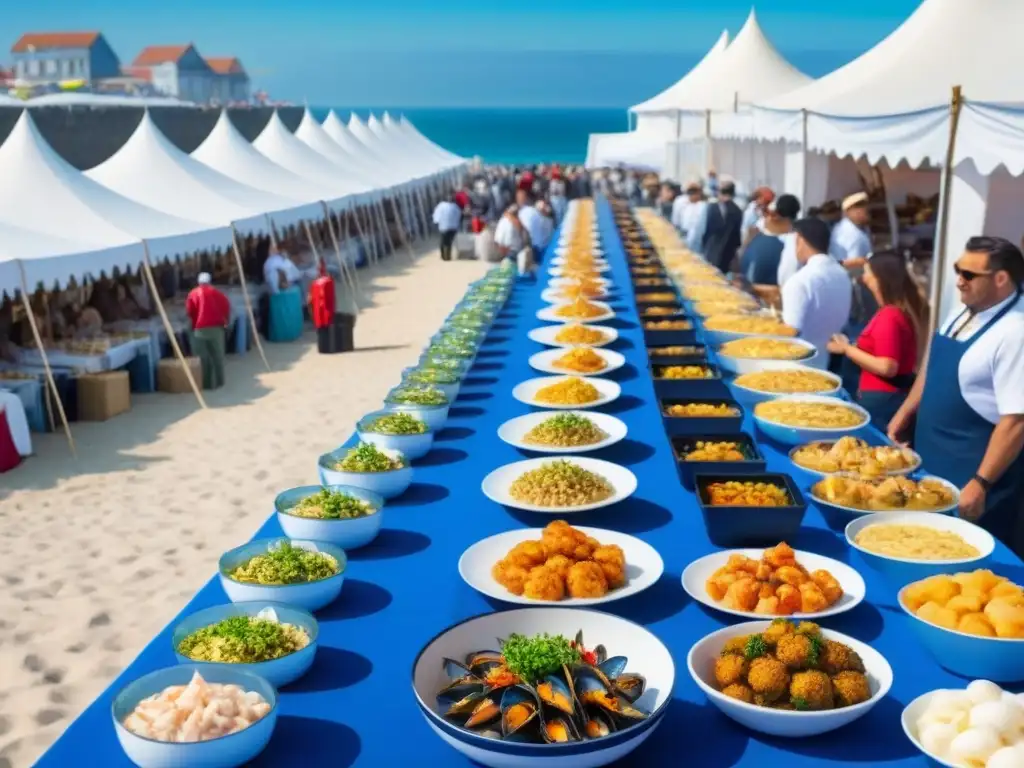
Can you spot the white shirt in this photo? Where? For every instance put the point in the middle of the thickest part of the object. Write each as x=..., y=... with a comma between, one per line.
x=693, y=221
x=992, y=369
x=788, y=264
x=507, y=236
x=277, y=263
x=849, y=241
x=539, y=226
x=447, y=216
x=751, y=216
x=816, y=301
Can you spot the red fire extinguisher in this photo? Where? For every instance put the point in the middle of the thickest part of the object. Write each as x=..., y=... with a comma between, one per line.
x=321, y=298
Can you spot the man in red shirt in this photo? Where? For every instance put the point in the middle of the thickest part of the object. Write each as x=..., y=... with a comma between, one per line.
x=210, y=311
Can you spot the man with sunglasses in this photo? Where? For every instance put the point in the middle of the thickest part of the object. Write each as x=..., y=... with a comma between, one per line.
x=969, y=401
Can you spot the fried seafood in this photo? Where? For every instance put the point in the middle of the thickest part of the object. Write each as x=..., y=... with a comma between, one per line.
x=891, y=494
x=850, y=454
x=744, y=493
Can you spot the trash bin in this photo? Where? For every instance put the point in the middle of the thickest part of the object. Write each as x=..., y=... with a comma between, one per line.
x=338, y=336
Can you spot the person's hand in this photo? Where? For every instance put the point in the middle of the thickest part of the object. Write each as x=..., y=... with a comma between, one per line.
x=972, y=501
x=838, y=344
x=898, y=427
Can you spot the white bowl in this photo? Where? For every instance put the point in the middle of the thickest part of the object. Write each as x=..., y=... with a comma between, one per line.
x=496, y=485
x=226, y=752
x=560, y=271
x=780, y=722
x=699, y=571
x=647, y=655
x=312, y=596
x=717, y=338
x=435, y=416
x=545, y=362
x=514, y=430
x=817, y=473
x=558, y=282
x=554, y=296
x=740, y=365
x=548, y=314
x=411, y=446
x=999, y=659
x=881, y=516
x=901, y=571
x=786, y=435
x=546, y=334
x=388, y=484
x=526, y=392
x=753, y=396
x=350, y=533
x=561, y=250
x=643, y=566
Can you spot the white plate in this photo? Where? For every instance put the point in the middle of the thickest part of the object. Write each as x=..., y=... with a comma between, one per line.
x=546, y=334
x=597, y=261
x=699, y=571
x=526, y=392
x=514, y=430
x=562, y=249
x=548, y=314
x=557, y=271
x=643, y=566
x=545, y=362
x=558, y=282
x=819, y=474
x=495, y=486
x=741, y=365
x=554, y=296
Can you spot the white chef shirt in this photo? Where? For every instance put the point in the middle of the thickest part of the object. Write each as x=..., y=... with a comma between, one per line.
x=447, y=216
x=507, y=236
x=849, y=241
x=788, y=264
x=539, y=226
x=277, y=263
x=692, y=220
x=816, y=301
x=992, y=369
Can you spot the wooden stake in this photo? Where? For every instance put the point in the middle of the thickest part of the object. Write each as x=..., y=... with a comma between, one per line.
x=341, y=263
x=956, y=104
x=401, y=231
x=362, y=239
x=46, y=360
x=148, y=269
x=384, y=225
x=245, y=296
x=341, y=239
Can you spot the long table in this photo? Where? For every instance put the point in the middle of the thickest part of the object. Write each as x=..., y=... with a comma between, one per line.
x=355, y=706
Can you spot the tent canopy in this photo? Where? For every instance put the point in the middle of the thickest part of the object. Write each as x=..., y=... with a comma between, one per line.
x=312, y=134
x=679, y=95
x=375, y=162
x=404, y=126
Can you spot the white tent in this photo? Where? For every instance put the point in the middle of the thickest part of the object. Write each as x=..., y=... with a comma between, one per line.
x=404, y=127
x=312, y=134
x=73, y=99
x=40, y=191
x=685, y=92
x=395, y=146
x=385, y=170
x=149, y=169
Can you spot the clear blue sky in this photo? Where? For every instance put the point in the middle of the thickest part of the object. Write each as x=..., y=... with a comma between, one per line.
x=462, y=53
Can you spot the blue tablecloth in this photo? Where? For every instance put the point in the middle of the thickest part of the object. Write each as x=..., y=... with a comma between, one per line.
x=355, y=706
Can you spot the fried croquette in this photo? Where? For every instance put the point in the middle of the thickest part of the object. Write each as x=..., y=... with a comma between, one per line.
x=587, y=580
x=736, y=644
x=740, y=692
x=768, y=677
x=544, y=584
x=559, y=563
x=527, y=554
x=512, y=577
x=776, y=631
x=811, y=690
x=850, y=688
x=730, y=668
x=808, y=628
x=795, y=651
x=836, y=657
x=613, y=562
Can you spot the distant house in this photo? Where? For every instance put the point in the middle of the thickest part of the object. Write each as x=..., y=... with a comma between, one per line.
x=178, y=70
x=42, y=58
x=233, y=82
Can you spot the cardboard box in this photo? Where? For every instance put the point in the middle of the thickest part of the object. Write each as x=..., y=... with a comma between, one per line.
x=102, y=396
x=170, y=375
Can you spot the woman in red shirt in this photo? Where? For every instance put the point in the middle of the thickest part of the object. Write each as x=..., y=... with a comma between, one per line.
x=886, y=350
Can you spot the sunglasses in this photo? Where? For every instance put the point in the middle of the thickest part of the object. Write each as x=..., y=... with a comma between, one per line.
x=968, y=275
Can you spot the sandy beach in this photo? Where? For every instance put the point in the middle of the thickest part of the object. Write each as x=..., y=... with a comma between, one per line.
x=98, y=554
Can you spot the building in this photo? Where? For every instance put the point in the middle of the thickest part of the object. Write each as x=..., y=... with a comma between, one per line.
x=45, y=58
x=233, y=85
x=179, y=71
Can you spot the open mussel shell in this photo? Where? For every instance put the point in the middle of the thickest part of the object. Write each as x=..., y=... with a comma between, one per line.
x=593, y=689
x=613, y=667
x=487, y=710
x=597, y=723
x=482, y=662
x=458, y=690
x=455, y=669
x=557, y=692
x=631, y=686
x=559, y=730
x=520, y=710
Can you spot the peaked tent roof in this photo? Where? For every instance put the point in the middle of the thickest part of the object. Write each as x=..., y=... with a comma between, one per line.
x=374, y=160
x=405, y=126
x=312, y=134
x=676, y=96
x=149, y=169
x=397, y=151
x=404, y=145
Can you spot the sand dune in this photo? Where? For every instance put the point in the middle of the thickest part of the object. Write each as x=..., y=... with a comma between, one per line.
x=98, y=554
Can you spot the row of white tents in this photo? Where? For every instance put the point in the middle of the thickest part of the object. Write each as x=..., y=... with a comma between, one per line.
x=150, y=198
x=942, y=94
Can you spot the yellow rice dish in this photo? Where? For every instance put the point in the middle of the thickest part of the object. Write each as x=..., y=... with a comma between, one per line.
x=560, y=484
x=581, y=360
x=761, y=348
x=580, y=334
x=792, y=382
x=565, y=430
x=753, y=324
x=813, y=415
x=914, y=542
x=580, y=308
x=725, y=306
x=571, y=391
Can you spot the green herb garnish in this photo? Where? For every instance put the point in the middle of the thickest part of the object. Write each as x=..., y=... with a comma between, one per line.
x=327, y=504
x=397, y=424
x=424, y=375
x=243, y=640
x=422, y=395
x=817, y=648
x=451, y=349
x=286, y=564
x=755, y=647
x=366, y=457
x=533, y=658
x=800, y=703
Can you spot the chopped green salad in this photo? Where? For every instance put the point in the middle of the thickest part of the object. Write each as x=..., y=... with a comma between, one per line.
x=424, y=375
x=396, y=424
x=243, y=640
x=366, y=457
x=422, y=395
x=286, y=564
x=327, y=504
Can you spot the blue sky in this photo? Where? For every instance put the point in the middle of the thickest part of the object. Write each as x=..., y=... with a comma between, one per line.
x=463, y=53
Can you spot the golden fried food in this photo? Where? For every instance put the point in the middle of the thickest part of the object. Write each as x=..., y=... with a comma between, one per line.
x=580, y=334
x=570, y=391
x=736, y=493
x=683, y=372
x=775, y=585
x=709, y=292
x=789, y=382
x=977, y=603
x=896, y=493
x=835, y=658
x=811, y=690
x=660, y=311
x=586, y=579
x=581, y=360
x=667, y=325
x=765, y=349
x=715, y=450
x=914, y=542
x=544, y=584
x=731, y=306
x=851, y=454
x=580, y=308
x=674, y=351
x=655, y=297
x=700, y=410
x=740, y=692
x=768, y=679
x=850, y=688
x=795, y=413
x=560, y=483
x=613, y=562
x=730, y=668
x=511, y=576
x=752, y=324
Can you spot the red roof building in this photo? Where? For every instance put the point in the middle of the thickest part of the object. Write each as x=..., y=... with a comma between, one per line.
x=53, y=57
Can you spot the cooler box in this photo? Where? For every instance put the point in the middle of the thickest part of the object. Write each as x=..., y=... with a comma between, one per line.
x=170, y=375
x=102, y=396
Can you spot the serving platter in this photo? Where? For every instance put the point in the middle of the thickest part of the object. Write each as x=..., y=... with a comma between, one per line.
x=545, y=362
x=515, y=430
x=497, y=484
x=526, y=392
x=548, y=335
x=550, y=314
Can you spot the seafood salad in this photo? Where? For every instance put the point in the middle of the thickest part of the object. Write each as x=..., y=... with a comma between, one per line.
x=245, y=640
x=544, y=689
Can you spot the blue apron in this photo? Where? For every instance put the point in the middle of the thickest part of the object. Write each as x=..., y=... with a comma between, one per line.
x=952, y=438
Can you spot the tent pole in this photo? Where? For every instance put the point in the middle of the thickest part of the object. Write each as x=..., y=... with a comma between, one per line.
x=51, y=382
x=147, y=267
x=384, y=225
x=351, y=273
x=956, y=104
x=353, y=270
x=245, y=295
x=803, y=148
x=708, y=159
x=370, y=236
x=401, y=232
x=345, y=276
x=359, y=234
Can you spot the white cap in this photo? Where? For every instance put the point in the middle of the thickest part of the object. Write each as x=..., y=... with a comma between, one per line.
x=858, y=198
x=204, y=278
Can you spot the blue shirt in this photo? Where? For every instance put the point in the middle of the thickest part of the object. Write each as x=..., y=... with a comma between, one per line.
x=760, y=262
